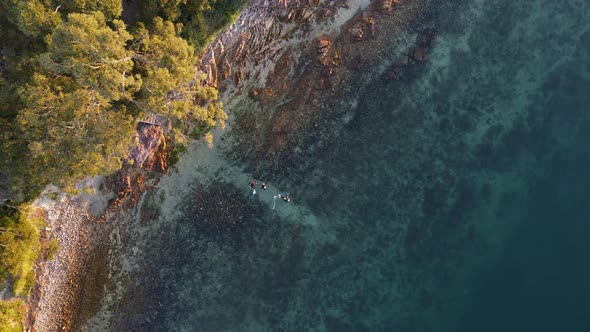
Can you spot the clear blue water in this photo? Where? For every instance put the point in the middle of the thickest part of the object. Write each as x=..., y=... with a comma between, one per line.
x=457, y=200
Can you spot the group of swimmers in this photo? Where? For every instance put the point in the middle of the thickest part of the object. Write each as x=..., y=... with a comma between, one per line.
x=284, y=196
x=253, y=185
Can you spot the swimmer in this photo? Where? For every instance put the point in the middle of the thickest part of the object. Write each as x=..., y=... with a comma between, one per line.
x=286, y=197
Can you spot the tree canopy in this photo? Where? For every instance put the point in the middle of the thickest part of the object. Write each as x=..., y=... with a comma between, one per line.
x=84, y=48
x=76, y=76
x=77, y=89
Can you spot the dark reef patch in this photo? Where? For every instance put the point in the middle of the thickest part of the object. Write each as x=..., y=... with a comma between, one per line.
x=218, y=207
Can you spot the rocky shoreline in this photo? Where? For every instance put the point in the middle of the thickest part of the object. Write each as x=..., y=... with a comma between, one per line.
x=56, y=296
x=289, y=75
x=69, y=287
x=287, y=59
x=294, y=61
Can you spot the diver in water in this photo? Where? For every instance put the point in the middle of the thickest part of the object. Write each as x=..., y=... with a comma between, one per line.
x=253, y=186
x=284, y=196
x=264, y=186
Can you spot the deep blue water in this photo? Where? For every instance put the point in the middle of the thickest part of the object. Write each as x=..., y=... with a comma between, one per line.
x=454, y=200
x=540, y=280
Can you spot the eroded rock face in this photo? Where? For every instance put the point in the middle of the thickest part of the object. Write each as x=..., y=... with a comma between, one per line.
x=270, y=27
x=291, y=69
x=129, y=185
x=151, y=152
x=148, y=157
x=361, y=27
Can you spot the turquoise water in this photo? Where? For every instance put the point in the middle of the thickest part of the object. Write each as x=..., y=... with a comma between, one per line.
x=454, y=200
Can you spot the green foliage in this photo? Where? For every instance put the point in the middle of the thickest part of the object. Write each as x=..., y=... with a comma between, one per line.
x=74, y=100
x=166, y=9
x=11, y=313
x=52, y=249
x=110, y=8
x=175, y=153
x=19, y=246
x=200, y=19
x=74, y=82
x=93, y=55
x=33, y=18
x=166, y=62
x=69, y=134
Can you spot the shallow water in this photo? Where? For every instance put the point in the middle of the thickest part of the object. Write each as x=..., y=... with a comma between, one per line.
x=455, y=200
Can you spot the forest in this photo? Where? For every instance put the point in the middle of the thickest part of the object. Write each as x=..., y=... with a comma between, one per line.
x=76, y=76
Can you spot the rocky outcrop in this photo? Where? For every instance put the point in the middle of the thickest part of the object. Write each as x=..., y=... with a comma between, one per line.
x=129, y=184
x=151, y=151
x=147, y=158
x=270, y=28
x=387, y=5
x=327, y=54
x=290, y=69
x=361, y=27
x=262, y=53
x=416, y=54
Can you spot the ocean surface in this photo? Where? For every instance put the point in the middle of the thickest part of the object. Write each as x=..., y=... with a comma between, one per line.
x=457, y=199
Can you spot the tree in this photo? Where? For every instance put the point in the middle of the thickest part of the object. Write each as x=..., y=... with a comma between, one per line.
x=110, y=8
x=75, y=98
x=19, y=245
x=11, y=312
x=68, y=127
x=200, y=19
x=166, y=9
x=34, y=18
x=171, y=85
x=86, y=49
x=69, y=133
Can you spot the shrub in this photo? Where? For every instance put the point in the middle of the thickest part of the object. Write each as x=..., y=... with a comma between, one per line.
x=20, y=246
x=52, y=249
x=11, y=313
